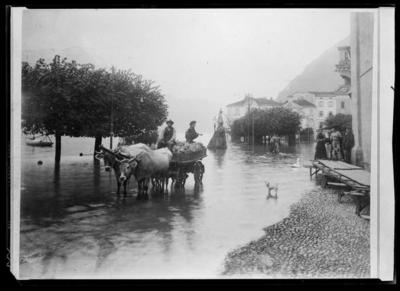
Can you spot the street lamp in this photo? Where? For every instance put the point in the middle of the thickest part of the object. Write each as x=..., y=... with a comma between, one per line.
x=112, y=122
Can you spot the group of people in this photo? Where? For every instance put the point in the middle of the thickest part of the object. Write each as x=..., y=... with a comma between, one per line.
x=167, y=136
x=334, y=145
x=274, y=143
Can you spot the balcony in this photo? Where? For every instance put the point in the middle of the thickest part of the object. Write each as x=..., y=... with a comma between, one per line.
x=344, y=68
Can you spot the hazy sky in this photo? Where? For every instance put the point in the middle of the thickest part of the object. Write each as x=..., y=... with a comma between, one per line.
x=214, y=54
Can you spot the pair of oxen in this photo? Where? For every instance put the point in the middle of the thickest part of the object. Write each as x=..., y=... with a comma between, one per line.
x=139, y=160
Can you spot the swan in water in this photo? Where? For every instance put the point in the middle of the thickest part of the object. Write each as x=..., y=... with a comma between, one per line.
x=297, y=165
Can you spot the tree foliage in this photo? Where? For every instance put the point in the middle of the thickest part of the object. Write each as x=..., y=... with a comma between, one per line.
x=278, y=120
x=339, y=121
x=67, y=98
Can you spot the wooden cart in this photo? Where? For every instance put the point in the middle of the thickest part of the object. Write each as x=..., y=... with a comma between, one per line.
x=354, y=179
x=179, y=169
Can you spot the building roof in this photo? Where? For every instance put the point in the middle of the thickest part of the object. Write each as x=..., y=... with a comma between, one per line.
x=343, y=90
x=268, y=102
x=324, y=94
x=259, y=101
x=303, y=103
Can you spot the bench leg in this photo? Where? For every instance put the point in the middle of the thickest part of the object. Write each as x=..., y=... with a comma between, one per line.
x=340, y=195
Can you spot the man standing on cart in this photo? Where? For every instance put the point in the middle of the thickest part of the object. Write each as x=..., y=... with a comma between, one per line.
x=167, y=136
x=191, y=133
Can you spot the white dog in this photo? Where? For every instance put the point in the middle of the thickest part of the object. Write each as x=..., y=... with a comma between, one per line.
x=270, y=188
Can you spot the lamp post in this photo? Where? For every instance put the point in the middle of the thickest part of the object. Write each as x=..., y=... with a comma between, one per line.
x=252, y=124
x=248, y=114
x=112, y=122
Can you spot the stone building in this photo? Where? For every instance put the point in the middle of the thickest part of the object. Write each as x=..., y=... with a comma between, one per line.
x=325, y=104
x=330, y=103
x=306, y=110
x=361, y=39
x=239, y=109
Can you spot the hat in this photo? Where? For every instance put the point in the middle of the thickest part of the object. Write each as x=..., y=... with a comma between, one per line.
x=170, y=121
x=193, y=121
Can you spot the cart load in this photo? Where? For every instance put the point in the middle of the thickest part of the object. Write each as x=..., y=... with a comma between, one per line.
x=182, y=151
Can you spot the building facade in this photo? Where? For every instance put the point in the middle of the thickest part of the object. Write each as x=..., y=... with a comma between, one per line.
x=325, y=104
x=305, y=109
x=361, y=38
x=330, y=103
x=241, y=108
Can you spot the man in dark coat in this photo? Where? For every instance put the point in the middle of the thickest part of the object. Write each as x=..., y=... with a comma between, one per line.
x=348, y=144
x=191, y=133
x=167, y=136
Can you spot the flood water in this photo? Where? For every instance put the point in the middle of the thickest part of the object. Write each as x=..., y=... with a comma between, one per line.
x=73, y=225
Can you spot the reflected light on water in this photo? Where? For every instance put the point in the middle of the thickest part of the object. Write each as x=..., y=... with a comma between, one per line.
x=73, y=225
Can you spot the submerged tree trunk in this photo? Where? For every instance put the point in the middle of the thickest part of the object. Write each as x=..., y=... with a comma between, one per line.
x=291, y=140
x=58, y=148
x=97, y=143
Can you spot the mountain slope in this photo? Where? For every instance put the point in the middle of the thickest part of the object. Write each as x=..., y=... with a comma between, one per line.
x=319, y=75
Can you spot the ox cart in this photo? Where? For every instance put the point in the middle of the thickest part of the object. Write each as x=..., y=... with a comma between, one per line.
x=353, y=179
x=181, y=166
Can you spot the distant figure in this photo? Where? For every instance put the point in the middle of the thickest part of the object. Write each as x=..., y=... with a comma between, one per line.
x=167, y=136
x=275, y=142
x=218, y=140
x=336, y=137
x=191, y=133
x=328, y=144
x=348, y=144
x=320, y=150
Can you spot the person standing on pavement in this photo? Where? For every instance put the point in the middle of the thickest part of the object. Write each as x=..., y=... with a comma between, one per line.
x=320, y=150
x=336, y=137
x=348, y=144
x=328, y=144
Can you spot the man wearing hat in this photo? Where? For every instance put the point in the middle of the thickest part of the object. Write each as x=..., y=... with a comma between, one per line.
x=167, y=135
x=191, y=133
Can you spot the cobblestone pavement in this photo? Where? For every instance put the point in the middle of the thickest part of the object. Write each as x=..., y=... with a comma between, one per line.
x=321, y=238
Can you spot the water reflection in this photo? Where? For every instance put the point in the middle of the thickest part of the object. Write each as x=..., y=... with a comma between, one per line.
x=79, y=219
x=96, y=176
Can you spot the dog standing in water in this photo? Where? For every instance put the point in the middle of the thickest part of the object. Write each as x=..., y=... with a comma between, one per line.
x=270, y=188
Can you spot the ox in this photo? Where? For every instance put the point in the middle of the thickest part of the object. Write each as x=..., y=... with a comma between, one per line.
x=145, y=166
x=112, y=159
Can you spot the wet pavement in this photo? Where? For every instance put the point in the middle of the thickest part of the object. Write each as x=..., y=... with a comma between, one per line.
x=73, y=225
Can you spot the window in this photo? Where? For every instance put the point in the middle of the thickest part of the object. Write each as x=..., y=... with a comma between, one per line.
x=237, y=111
x=330, y=104
x=321, y=114
x=330, y=113
x=342, y=104
x=321, y=125
x=321, y=103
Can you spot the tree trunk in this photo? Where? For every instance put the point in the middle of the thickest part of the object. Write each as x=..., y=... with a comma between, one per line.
x=97, y=143
x=58, y=148
x=292, y=140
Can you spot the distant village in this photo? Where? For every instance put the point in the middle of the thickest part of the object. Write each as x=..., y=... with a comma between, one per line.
x=313, y=106
x=352, y=97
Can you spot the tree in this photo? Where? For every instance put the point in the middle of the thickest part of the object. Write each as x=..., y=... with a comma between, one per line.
x=277, y=120
x=47, y=106
x=66, y=98
x=339, y=121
